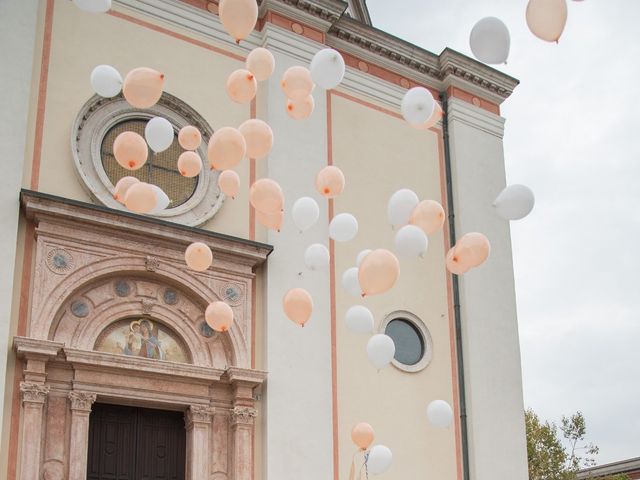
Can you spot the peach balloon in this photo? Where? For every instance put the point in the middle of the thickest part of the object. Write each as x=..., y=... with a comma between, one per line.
x=259, y=138
x=130, y=150
x=435, y=118
x=227, y=148
x=189, y=137
x=453, y=264
x=261, y=63
x=122, y=186
x=547, y=18
x=472, y=249
x=272, y=221
x=266, y=196
x=362, y=435
x=297, y=83
x=238, y=17
x=219, y=316
x=301, y=109
x=330, y=181
x=378, y=272
x=428, y=215
x=298, y=305
x=229, y=183
x=141, y=198
x=198, y=256
x=242, y=86
x=142, y=87
x=189, y=164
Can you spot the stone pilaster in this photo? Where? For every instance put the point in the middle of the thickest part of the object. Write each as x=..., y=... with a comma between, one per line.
x=242, y=419
x=81, y=403
x=198, y=424
x=34, y=396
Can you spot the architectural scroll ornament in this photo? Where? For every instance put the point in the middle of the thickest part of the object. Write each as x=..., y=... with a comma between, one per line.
x=33, y=392
x=82, y=400
x=243, y=415
x=151, y=263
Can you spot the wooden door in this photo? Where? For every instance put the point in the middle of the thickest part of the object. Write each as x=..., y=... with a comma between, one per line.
x=129, y=443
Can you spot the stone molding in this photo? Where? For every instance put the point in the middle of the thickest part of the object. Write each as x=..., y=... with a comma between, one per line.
x=81, y=401
x=34, y=392
x=243, y=416
x=463, y=112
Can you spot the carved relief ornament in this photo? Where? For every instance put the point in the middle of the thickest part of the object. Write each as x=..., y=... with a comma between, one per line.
x=33, y=392
x=243, y=415
x=82, y=401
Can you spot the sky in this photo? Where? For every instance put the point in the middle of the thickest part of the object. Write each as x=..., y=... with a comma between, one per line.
x=572, y=136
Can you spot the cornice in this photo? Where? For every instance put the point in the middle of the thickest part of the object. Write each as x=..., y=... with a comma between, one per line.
x=319, y=14
x=31, y=348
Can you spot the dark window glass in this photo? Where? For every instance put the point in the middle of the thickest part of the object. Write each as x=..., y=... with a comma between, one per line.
x=408, y=340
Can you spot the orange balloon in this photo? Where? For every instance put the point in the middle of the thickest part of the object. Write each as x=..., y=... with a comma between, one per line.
x=472, y=249
x=261, y=63
x=301, y=109
x=130, y=150
x=198, y=256
x=122, y=186
x=266, y=196
x=242, y=86
x=141, y=198
x=189, y=137
x=142, y=87
x=238, y=17
x=428, y=215
x=259, y=138
x=455, y=266
x=219, y=316
x=435, y=118
x=189, y=164
x=229, y=183
x=362, y=435
x=297, y=83
x=378, y=272
x=298, y=305
x=273, y=221
x=330, y=181
x=547, y=18
x=227, y=148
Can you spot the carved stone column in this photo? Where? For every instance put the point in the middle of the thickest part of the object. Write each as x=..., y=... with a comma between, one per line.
x=81, y=403
x=198, y=424
x=34, y=396
x=242, y=419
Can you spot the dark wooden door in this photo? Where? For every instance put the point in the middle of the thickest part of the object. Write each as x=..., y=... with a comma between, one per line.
x=129, y=443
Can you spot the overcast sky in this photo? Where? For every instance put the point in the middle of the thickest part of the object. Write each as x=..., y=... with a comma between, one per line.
x=573, y=136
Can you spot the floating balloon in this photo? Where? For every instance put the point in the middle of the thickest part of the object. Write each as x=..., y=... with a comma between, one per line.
x=428, y=215
x=93, y=6
x=297, y=83
x=241, y=86
x=380, y=350
x=359, y=319
x=198, y=256
x=316, y=256
x=130, y=150
x=301, y=109
x=266, y=196
x=159, y=134
x=400, y=206
x=122, y=186
x=490, y=41
x=273, y=221
x=456, y=266
x=433, y=119
x=546, y=18
x=106, y=81
x=238, y=17
x=350, y=281
x=226, y=149
x=162, y=202
x=378, y=272
x=330, y=181
x=361, y=256
x=417, y=105
x=379, y=460
x=343, y=227
x=440, y=414
x=305, y=213
x=298, y=305
x=514, y=202
x=258, y=136
x=189, y=164
x=141, y=198
x=189, y=137
x=362, y=435
x=472, y=249
x=261, y=63
x=142, y=87
x=411, y=241
x=327, y=68
x=219, y=316
x=229, y=183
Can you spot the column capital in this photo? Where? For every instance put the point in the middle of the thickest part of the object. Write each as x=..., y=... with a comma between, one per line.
x=198, y=414
x=81, y=401
x=243, y=416
x=34, y=392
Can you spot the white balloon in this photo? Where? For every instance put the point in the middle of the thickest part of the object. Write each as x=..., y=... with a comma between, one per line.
x=316, y=256
x=343, y=227
x=327, y=68
x=361, y=256
x=305, y=213
x=400, y=206
x=490, y=40
x=417, y=105
x=162, y=201
x=359, y=319
x=106, y=81
x=159, y=134
x=93, y=6
x=380, y=350
x=515, y=202
x=350, y=282
x=440, y=414
x=379, y=459
x=411, y=241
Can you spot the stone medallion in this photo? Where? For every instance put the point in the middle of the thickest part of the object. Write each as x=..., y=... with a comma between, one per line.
x=59, y=261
